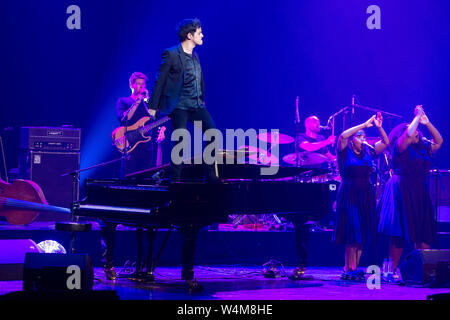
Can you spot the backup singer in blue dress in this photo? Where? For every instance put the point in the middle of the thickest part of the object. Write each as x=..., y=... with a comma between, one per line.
x=406, y=210
x=356, y=202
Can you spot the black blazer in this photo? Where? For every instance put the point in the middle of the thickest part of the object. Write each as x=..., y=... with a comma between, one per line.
x=169, y=82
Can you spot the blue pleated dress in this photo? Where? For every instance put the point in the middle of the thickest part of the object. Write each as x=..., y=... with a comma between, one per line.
x=356, y=203
x=405, y=208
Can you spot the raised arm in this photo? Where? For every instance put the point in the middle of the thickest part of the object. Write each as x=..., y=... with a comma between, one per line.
x=408, y=136
x=343, y=138
x=314, y=146
x=380, y=146
x=437, y=138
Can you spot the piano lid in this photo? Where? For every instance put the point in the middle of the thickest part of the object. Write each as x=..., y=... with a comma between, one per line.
x=234, y=171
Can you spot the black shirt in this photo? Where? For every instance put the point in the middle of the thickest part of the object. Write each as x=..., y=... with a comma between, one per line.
x=123, y=104
x=142, y=157
x=191, y=93
x=302, y=137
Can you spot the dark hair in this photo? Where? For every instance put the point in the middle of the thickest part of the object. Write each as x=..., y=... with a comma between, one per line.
x=398, y=131
x=187, y=26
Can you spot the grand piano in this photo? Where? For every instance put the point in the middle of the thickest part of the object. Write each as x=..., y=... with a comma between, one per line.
x=140, y=200
x=144, y=201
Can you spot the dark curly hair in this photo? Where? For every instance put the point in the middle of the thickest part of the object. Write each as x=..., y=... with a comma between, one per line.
x=187, y=26
x=398, y=131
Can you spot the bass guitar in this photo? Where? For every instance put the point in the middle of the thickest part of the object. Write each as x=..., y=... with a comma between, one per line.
x=127, y=138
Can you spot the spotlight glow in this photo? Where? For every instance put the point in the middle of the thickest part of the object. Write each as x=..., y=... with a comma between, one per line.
x=50, y=246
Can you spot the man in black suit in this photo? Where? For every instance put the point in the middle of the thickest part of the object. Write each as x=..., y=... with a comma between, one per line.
x=179, y=92
x=179, y=88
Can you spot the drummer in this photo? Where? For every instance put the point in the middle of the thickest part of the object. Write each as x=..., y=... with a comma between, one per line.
x=313, y=141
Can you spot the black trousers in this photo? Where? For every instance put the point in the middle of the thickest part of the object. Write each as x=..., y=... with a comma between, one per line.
x=188, y=243
x=301, y=239
x=189, y=235
x=180, y=119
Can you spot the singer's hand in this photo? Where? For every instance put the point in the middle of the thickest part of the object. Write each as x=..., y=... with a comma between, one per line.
x=368, y=123
x=145, y=94
x=152, y=112
x=378, y=121
x=418, y=111
x=424, y=119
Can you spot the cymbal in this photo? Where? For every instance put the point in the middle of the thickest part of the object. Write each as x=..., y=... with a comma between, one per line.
x=276, y=138
x=260, y=155
x=306, y=158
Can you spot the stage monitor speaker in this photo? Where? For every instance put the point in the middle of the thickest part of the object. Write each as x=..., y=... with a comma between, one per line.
x=440, y=187
x=12, y=257
x=426, y=267
x=46, y=168
x=50, y=272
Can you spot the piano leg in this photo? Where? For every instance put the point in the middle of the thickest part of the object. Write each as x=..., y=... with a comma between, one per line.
x=151, y=236
x=139, y=237
x=154, y=263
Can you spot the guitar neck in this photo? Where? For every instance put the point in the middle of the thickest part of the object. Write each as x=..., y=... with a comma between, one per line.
x=153, y=125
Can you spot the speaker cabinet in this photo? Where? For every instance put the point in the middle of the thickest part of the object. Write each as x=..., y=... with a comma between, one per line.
x=12, y=257
x=45, y=168
x=426, y=267
x=50, y=272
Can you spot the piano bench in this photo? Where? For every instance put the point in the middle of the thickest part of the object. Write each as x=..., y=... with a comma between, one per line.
x=73, y=227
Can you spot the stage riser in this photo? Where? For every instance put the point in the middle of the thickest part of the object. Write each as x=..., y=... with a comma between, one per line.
x=218, y=247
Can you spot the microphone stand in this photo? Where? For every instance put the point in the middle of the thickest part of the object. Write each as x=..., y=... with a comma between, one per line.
x=297, y=129
x=3, y=157
x=377, y=110
x=125, y=148
x=75, y=225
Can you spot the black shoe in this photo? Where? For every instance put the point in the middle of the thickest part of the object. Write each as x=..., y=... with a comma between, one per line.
x=193, y=286
x=270, y=274
x=110, y=273
x=357, y=275
x=299, y=274
x=346, y=275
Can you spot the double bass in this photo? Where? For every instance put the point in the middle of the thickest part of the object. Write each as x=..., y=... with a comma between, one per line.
x=22, y=201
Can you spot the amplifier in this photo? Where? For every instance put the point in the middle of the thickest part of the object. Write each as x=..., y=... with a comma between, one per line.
x=50, y=138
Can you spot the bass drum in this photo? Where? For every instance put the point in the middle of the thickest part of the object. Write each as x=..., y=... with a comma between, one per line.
x=332, y=175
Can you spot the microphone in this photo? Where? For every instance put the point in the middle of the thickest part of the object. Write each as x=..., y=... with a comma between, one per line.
x=367, y=144
x=146, y=97
x=429, y=141
x=324, y=127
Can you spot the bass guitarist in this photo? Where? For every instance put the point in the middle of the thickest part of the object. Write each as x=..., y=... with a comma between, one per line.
x=129, y=111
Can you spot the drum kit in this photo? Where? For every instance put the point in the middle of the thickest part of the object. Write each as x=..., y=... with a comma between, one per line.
x=306, y=158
